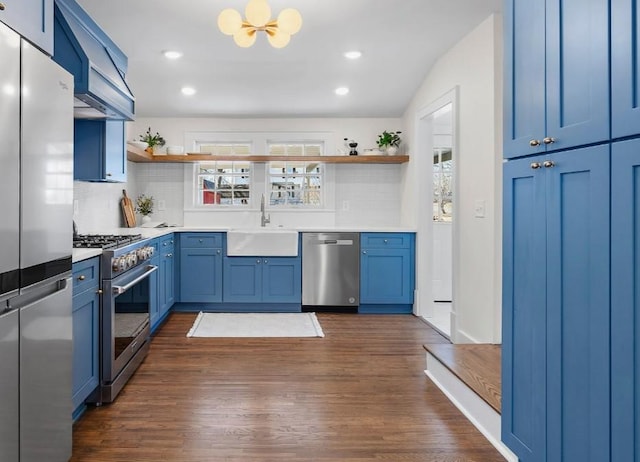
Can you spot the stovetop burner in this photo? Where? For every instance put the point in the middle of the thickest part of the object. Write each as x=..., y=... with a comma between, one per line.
x=104, y=241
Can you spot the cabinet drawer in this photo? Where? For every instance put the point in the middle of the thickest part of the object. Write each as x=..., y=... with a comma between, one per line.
x=167, y=242
x=200, y=240
x=385, y=240
x=86, y=274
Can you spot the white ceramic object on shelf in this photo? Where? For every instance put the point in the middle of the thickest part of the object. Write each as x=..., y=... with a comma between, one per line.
x=392, y=150
x=146, y=218
x=140, y=144
x=175, y=150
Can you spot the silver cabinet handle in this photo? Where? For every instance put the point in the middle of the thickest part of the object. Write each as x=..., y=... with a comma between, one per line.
x=169, y=255
x=364, y=252
x=266, y=261
x=534, y=143
x=535, y=165
x=200, y=241
x=386, y=241
x=548, y=164
x=548, y=140
x=165, y=244
x=258, y=261
x=218, y=252
x=81, y=278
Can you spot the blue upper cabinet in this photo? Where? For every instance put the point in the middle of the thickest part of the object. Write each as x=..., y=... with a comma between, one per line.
x=556, y=75
x=625, y=71
x=555, y=385
x=33, y=19
x=625, y=301
x=99, y=151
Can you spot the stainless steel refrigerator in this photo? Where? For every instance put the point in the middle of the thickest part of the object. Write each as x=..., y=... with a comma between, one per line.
x=36, y=197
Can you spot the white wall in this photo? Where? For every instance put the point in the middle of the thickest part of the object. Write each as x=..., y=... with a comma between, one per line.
x=474, y=65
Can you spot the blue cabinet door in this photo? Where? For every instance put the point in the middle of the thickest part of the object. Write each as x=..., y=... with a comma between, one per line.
x=167, y=282
x=524, y=77
x=243, y=279
x=282, y=280
x=33, y=19
x=625, y=301
x=386, y=276
x=577, y=286
x=556, y=75
x=577, y=72
x=153, y=287
x=625, y=71
x=99, y=152
x=200, y=275
x=86, y=312
x=556, y=306
x=524, y=309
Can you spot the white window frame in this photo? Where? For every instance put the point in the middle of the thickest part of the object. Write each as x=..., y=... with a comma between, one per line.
x=259, y=141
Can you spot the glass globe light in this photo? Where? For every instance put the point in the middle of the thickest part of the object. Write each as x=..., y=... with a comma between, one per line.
x=258, y=12
x=245, y=37
x=289, y=21
x=278, y=38
x=229, y=21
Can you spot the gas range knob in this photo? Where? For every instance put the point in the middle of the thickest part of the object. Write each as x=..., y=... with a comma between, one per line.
x=142, y=254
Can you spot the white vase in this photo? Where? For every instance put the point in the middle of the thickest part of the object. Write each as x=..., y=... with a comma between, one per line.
x=146, y=218
x=392, y=150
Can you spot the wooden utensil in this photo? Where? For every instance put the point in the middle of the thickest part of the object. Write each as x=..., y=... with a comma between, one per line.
x=127, y=210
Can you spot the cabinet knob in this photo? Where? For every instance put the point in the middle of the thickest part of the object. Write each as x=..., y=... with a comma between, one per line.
x=1, y=6
x=171, y=241
x=534, y=143
x=535, y=165
x=258, y=261
x=81, y=278
x=169, y=255
x=364, y=252
x=549, y=163
x=218, y=252
x=386, y=241
x=266, y=261
x=200, y=241
x=99, y=291
x=548, y=140
x=165, y=244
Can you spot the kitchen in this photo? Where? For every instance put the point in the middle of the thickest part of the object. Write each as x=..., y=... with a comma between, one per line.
x=96, y=205
x=359, y=196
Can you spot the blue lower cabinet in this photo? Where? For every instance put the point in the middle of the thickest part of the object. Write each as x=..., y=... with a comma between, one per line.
x=625, y=301
x=200, y=275
x=86, y=325
x=386, y=273
x=556, y=328
x=262, y=280
x=152, y=284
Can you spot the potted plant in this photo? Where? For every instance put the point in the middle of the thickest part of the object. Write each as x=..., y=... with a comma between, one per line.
x=389, y=141
x=144, y=206
x=152, y=140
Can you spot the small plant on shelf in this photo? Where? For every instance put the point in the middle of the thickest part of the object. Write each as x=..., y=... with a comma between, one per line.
x=152, y=140
x=144, y=205
x=387, y=139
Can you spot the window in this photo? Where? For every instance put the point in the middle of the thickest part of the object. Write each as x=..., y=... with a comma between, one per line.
x=295, y=183
x=224, y=182
x=442, y=185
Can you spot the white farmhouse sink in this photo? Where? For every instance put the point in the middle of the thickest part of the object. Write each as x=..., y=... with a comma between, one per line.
x=262, y=242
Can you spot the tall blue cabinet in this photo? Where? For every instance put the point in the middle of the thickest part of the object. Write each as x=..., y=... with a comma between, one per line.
x=558, y=397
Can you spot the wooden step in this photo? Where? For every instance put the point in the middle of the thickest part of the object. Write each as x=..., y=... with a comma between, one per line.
x=477, y=366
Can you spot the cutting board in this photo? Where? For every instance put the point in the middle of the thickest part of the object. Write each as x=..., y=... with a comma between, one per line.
x=127, y=211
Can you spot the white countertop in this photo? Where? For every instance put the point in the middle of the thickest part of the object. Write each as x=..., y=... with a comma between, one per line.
x=150, y=233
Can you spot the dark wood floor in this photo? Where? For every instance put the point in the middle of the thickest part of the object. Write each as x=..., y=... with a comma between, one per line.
x=478, y=366
x=359, y=394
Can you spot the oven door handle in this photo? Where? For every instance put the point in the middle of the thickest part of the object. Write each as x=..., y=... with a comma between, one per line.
x=122, y=289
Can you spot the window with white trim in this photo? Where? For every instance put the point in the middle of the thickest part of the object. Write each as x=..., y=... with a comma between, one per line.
x=223, y=183
x=295, y=183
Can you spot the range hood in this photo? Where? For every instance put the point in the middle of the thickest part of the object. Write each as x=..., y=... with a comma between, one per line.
x=97, y=64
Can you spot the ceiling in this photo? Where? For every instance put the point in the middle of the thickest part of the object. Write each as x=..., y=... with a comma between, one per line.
x=400, y=40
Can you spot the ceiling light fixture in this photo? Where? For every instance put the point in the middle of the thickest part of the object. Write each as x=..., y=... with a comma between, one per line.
x=171, y=54
x=341, y=91
x=258, y=18
x=352, y=54
x=188, y=91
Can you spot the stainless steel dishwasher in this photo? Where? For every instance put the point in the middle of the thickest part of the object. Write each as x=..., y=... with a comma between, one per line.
x=331, y=269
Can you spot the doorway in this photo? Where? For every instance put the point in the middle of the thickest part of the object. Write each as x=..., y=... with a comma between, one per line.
x=436, y=213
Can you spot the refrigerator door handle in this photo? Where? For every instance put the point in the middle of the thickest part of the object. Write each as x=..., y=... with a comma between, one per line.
x=40, y=293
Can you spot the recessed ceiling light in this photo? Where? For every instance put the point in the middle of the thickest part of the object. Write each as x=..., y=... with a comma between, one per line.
x=342, y=91
x=171, y=54
x=352, y=54
x=188, y=91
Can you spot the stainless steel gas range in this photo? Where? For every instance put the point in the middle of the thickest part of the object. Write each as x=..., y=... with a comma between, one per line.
x=127, y=288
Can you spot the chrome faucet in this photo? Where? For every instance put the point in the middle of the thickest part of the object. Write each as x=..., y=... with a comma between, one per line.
x=264, y=219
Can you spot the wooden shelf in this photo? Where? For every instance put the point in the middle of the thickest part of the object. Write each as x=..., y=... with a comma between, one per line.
x=135, y=154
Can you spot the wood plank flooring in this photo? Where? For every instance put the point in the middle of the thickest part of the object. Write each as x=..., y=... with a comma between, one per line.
x=478, y=366
x=357, y=395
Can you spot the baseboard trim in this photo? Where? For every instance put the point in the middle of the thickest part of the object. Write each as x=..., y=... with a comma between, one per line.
x=474, y=408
